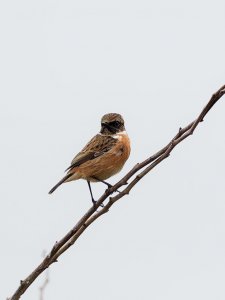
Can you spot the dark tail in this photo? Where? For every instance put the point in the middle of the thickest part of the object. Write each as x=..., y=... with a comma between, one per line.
x=59, y=183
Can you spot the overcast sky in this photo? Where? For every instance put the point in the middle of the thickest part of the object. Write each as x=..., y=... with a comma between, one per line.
x=63, y=65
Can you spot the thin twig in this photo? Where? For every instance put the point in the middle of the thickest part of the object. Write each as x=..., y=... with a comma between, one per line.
x=92, y=214
x=45, y=283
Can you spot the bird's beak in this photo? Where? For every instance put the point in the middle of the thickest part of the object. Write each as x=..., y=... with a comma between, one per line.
x=106, y=125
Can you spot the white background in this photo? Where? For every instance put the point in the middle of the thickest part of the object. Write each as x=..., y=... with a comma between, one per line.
x=63, y=65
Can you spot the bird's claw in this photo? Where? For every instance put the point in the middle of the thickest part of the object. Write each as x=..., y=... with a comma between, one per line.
x=109, y=187
x=94, y=203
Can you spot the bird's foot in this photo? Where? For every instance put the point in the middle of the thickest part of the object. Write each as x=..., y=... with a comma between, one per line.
x=106, y=183
x=110, y=186
x=115, y=191
x=94, y=203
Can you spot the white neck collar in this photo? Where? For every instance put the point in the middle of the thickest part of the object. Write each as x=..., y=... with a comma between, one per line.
x=116, y=135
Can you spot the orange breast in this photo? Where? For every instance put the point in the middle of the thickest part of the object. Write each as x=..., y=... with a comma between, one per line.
x=107, y=164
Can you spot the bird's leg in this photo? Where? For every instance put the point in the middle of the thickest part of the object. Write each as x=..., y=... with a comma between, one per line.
x=92, y=198
x=106, y=183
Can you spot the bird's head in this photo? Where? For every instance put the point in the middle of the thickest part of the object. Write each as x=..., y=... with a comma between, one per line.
x=112, y=123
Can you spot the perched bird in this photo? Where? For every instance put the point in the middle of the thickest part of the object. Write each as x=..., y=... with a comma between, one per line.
x=103, y=156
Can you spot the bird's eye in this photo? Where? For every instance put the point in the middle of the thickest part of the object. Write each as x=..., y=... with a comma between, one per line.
x=115, y=124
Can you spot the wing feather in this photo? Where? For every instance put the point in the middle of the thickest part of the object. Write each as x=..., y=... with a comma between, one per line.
x=98, y=145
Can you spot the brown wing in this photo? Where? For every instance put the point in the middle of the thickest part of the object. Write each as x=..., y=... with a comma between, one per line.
x=98, y=145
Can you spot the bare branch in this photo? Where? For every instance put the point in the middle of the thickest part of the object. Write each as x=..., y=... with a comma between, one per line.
x=92, y=214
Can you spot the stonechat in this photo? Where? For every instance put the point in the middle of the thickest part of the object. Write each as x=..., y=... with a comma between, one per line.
x=103, y=157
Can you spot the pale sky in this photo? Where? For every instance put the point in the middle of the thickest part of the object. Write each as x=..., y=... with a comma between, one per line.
x=63, y=65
